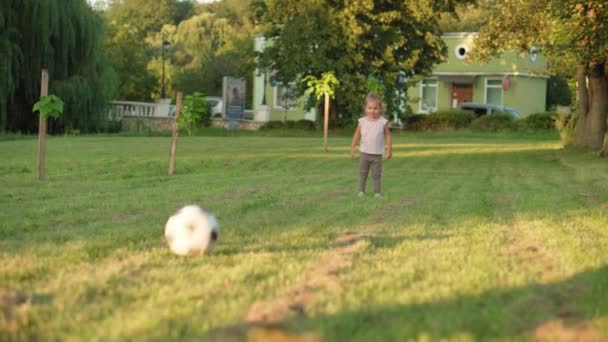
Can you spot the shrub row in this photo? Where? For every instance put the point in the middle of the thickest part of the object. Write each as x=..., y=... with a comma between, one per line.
x=300, y=124
x=497, y=121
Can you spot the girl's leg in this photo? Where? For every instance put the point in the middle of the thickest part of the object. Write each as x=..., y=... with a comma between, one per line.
x=363, y=171
x=377, y=174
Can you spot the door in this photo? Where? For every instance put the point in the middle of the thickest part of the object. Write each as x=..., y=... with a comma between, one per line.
x=461, y=93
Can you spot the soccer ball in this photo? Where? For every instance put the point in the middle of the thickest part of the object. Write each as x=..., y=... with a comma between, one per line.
x=191, y=231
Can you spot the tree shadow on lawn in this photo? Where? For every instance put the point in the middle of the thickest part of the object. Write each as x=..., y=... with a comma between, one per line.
x=555, y=311
x=377, y=241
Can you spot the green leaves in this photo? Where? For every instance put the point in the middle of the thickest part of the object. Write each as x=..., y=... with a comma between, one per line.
x=194, y=110
x=326, y=85
x=354, y=39
x=49, y=106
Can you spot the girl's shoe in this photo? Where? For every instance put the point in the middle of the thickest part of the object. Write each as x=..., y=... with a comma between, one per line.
x=378, y=196
x=361, y=194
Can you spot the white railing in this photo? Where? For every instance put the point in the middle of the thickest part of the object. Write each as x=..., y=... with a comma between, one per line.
x=141, y=109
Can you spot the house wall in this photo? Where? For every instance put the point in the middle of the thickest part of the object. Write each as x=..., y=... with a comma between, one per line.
x=526, y=94
x=276, y=113
x=509, y=61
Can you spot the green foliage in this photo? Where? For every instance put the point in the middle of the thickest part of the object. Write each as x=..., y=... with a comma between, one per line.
x=49, y=106
x=558, y=92
x=208, y=42
x=326, y=85
x=494, y=122
x=355, y=39
x=468, y=17
x=566, y=124
x=562, y=29
x=65, y=37
x=375, y=85
x=539, y=121
x=195, y=110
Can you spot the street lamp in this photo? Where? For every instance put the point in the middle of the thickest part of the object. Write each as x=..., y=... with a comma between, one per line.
x=166, y=46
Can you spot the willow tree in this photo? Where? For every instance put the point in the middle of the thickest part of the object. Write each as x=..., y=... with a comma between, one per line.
x=567, y=31
x=356, y=39
x=65, y=37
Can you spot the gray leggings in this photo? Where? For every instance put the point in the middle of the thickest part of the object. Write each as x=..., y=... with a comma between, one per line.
x=373, y=161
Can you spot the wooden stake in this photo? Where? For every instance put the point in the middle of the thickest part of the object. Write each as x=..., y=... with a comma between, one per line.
x=178, y=110
x=326, y=123
x=44, y=91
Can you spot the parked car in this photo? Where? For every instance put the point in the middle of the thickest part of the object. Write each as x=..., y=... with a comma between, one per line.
x=216, y=103
x=487, y=109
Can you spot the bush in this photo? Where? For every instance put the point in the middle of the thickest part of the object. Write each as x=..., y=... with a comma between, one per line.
x=413, y=122
x=300, y=124
x=539, y=121
x=497, y=121
x=450, y=119
x=195, y=110
x=455, y=118
x=565, y=124
x=273, y=125
x=305, y=124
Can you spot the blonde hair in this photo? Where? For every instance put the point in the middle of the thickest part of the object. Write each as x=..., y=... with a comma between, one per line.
x=376, y=98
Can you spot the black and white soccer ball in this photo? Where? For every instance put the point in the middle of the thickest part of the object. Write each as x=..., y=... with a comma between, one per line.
x=191, y=231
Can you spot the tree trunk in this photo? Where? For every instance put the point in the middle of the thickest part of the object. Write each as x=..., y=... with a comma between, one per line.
x=604, y=151
x=593, y=107
x=583, y=105
x=333, y=111
x=598, y=106
x=326, y=123
x=44, y=91
x=175, y=136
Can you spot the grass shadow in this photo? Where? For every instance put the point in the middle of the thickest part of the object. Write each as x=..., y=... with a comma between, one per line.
x=494, y=314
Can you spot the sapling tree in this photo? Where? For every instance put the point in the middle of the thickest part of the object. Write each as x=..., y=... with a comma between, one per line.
x=323, y=87
x=49, y=106
x=195, y=110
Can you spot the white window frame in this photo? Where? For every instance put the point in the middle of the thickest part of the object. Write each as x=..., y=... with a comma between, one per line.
x=422, y=86
x=276, y=97
x=502, y=91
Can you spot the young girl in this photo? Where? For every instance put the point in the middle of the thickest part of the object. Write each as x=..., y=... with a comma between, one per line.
x=373, y=129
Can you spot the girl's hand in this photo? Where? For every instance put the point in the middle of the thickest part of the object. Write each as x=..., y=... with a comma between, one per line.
x=352, y=152
x=389, y=154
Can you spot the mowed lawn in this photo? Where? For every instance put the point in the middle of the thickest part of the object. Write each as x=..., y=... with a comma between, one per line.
x=477, y=237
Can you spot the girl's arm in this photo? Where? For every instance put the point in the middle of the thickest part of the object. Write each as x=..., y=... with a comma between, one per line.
x=356, y=137
x=389, y=140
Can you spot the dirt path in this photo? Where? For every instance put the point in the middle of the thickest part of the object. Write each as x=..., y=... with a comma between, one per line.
x=566, y=325
x=262, y=320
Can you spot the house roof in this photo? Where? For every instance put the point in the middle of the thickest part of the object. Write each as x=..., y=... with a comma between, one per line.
x=482, y=73
x=459, y=35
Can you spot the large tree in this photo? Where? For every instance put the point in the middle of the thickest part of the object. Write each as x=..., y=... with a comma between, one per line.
x=63, y=36
x=573, y=32
x=355, y=39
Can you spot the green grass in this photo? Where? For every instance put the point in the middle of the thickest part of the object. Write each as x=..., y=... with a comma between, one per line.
x=477, y=237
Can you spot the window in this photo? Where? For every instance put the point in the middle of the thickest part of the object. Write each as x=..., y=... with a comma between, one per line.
x=284, y=96
x=428, y=96
x=494, y=92
x=461, y=51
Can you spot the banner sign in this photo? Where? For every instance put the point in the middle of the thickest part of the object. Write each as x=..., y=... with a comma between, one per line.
x=234, y=98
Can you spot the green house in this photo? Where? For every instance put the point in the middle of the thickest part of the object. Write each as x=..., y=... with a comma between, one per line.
x=512, y=79
x=269, y=102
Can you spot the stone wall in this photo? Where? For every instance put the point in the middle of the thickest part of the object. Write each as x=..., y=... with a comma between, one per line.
x=242, y=124
x=146, y=124
x=139, y=124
